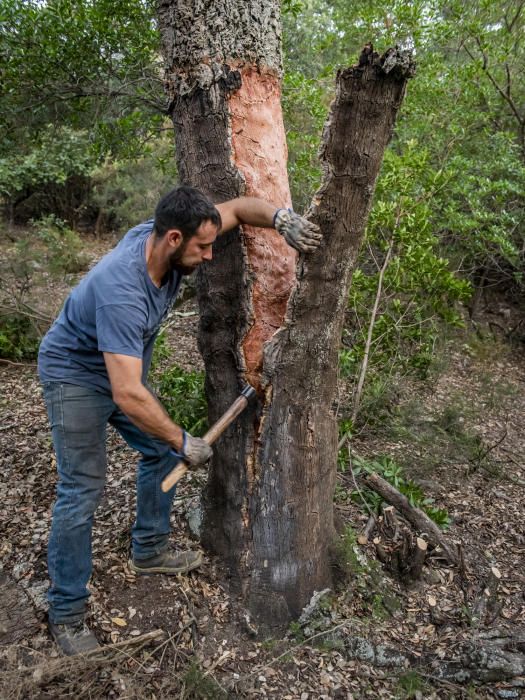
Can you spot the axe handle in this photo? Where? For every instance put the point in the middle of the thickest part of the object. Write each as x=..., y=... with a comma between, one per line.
x=213, y=433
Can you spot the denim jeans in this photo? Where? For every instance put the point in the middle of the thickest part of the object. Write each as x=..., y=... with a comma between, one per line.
x=78, y=418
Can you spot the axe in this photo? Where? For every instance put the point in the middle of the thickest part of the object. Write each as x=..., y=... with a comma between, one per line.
x=213, y=433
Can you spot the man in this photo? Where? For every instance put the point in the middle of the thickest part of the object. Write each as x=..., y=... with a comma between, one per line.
x=93, y=365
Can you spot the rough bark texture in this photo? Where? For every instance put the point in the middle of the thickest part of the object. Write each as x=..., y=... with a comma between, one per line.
x=293, y=529
x=268, y=505
x=223, y=67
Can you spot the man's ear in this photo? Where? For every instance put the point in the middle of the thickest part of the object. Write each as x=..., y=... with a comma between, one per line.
x=174, y=237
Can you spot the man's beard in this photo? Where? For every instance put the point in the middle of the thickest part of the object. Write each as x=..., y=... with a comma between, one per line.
x=175, y=261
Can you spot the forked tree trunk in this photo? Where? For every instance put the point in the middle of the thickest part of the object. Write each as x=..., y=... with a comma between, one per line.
x=267, y=317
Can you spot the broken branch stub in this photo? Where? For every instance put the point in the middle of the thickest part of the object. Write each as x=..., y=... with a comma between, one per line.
x=416, y=517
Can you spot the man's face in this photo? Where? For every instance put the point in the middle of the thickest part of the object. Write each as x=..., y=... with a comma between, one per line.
x=191, y=253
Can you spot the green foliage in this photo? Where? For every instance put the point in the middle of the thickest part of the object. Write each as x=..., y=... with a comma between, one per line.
x=198, y=685
x=181, y=392
x=49, y=247
x=305, y=103
x=411, y=685
x=419, y=291
x=484, y=214
x=81, y=80
x=92, y=65
x=450, y=199
x=379, y=398
x=127, y=191
x=292, y=7
x=295, y=631
x=58, y=154
x=161, y=352
x=19, y=339
x=61, y=245
x=394, y=474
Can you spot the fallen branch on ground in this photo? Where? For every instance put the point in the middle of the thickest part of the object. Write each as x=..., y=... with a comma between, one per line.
x=17, y=364
x=419, y=520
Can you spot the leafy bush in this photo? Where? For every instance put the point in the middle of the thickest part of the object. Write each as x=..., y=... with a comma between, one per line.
x=449, y=202
x=50, y=246
x=125, y=192
x=419, y=290
x=19, y=339
x=49, y=175
x=305, y=105
x=62, y=246
x=92, y=65
x=181, y=392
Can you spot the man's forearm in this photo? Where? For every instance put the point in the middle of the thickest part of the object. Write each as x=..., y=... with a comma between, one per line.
x=145, y=411
x=299, y=233
x=246, y=210
x=255, y=212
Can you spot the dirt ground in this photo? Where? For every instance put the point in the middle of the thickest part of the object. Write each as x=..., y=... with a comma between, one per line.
x=461, y=437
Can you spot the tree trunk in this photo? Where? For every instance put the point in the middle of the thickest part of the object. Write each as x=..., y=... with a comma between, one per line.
x=266, y=317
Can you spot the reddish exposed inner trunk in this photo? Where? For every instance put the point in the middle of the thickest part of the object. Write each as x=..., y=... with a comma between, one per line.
x=260, y=153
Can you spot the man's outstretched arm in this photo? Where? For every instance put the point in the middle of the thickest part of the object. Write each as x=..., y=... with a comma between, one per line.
x=297, y=231
x=143, y=409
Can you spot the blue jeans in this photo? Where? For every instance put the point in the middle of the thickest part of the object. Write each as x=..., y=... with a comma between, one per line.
x=78, y=418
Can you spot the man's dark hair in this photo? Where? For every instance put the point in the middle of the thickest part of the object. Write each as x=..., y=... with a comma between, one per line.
x=185, y=208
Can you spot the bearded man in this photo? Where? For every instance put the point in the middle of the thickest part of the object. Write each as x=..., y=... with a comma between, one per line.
x=93, y=365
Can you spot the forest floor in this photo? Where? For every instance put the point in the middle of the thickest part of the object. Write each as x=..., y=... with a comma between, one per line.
x=460, y=436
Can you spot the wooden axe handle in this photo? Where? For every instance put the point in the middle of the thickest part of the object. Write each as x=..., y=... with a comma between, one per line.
x=213, y=433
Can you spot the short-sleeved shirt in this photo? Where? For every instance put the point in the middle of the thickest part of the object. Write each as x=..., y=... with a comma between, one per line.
x=115, y=308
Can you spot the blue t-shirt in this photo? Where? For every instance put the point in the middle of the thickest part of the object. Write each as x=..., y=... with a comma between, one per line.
x=115, y=308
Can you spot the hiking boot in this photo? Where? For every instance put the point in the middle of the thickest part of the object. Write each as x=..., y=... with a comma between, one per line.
x=167, y=563
x=73, y=638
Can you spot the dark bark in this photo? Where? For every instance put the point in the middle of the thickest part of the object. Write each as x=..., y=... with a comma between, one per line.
x=299, y=431
x=268, y=505
x=203, y=70
x=406, y=559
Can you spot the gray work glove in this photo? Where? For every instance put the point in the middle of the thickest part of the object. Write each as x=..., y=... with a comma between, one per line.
x=297, y=231
x=195, y=451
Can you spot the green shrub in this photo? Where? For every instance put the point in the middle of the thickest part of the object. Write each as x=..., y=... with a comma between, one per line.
x=62, y=246
x=411, y=685
x=50, y=174
x=126, y=191
x=420, y=290
x=19, y=339
x=49, y=246
x=392, y=472
x=182, y=394
x=198, y=685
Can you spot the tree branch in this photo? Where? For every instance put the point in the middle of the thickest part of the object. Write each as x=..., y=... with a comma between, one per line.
x=508, y=99
x=364, y=364
x=416, y=517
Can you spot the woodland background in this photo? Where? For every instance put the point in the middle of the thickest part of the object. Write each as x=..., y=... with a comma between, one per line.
x=431, y=360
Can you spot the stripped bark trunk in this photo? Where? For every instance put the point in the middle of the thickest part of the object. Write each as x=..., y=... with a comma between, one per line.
x=264, y=318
